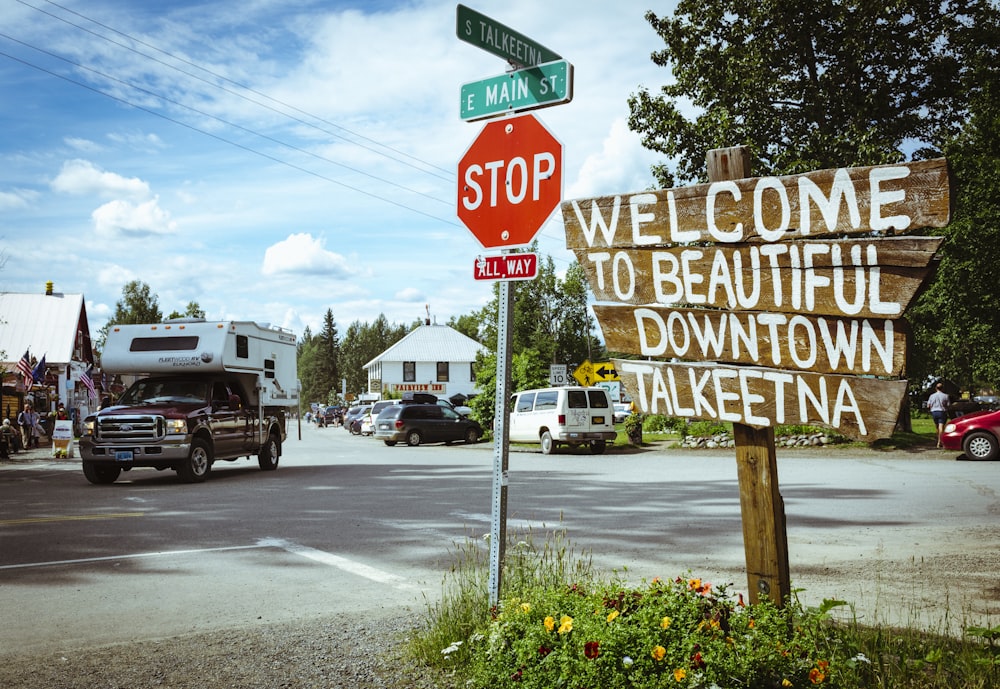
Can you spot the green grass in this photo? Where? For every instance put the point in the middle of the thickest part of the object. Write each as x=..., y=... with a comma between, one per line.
x=561, y=624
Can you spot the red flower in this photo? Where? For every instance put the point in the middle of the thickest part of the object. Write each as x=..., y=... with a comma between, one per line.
x=544, y=651
x=697, y=662
x=591, y=649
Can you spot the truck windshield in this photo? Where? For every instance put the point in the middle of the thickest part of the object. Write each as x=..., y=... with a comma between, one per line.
x=166, y=390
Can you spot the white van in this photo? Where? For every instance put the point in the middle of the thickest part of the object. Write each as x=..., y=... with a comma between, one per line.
x=563, y=416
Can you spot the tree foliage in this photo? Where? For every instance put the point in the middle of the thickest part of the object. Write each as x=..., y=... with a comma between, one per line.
x=192, y=310
x=363, y=342
x=137, y=305
x=956, y=322
x=810, y=84
x=814, y=84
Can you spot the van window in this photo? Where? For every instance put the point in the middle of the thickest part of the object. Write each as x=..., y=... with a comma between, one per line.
x=525, y=402
x=576, y=399
x=546, y=400
x=598, y=399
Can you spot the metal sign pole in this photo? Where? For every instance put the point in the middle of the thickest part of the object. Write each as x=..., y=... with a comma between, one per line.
x=501, y=439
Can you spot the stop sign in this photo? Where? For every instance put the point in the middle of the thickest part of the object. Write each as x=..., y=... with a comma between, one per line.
x=509, y=181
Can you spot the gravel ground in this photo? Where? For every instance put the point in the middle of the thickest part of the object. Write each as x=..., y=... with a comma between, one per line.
x=332, y=654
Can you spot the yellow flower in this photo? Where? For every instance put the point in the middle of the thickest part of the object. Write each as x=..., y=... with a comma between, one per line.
x=665, y=622
x=786, y=683
x=549, y=623
x=525, y=607
x=658, y=652
x=679, y=674
x=612, y=615
x=565, y=624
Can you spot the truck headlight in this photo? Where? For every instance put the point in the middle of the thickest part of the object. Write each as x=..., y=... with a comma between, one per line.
x=88, y=427
x=176, y=426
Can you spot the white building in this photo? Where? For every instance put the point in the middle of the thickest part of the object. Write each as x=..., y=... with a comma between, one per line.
x=432, y=358
x=52, y=325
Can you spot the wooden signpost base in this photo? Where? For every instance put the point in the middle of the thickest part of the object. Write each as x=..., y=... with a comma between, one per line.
x=765, y=540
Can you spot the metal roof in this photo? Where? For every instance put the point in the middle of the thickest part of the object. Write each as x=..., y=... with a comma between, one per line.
x=431, y=343
x=45, y=324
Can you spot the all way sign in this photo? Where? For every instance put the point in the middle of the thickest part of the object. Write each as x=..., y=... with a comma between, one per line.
x=506, y=267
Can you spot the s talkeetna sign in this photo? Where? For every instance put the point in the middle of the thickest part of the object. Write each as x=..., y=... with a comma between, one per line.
x=768, y=300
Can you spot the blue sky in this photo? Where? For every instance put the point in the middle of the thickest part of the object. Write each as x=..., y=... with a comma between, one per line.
x=272, y=160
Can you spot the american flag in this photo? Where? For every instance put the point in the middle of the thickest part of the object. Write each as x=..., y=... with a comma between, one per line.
x=24, y=368
x=89, y=382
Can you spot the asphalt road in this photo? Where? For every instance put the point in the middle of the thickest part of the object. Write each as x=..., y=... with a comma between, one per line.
x=349, y=526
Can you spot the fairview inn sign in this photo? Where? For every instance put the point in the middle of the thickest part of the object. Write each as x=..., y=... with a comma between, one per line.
x=775, y=300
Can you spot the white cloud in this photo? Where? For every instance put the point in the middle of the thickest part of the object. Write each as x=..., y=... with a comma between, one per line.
x=123, y=218
x=19, y=198
x=304, y=254
x=83, y=177
x=82, y=145
x=409, y=294
x=622, y=165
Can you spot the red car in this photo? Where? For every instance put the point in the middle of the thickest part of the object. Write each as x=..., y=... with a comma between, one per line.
x=975, y=434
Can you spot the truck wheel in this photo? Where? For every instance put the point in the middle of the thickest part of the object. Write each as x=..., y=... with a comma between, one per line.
x=195, y=469
x=99, y=474
x=597, y=446
x=270, y=452
x=548, y=444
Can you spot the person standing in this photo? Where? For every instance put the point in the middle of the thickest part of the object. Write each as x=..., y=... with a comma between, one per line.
x=27, y=420
x=937, y=404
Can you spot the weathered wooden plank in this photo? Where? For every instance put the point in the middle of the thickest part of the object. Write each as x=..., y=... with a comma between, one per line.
x=856, y=278
x=860, y=408
x=900, y=198
x=807, y=343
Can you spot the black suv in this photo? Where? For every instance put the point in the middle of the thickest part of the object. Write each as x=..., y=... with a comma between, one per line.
x=424, y=423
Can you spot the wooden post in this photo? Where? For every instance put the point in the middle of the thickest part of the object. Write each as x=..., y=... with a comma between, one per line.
x=765, y=540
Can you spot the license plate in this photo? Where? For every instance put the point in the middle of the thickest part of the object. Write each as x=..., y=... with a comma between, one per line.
x=124, y=456
x=598, y=419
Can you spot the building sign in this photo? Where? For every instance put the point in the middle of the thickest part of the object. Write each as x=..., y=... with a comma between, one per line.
x=433, y=388
x=764, y=318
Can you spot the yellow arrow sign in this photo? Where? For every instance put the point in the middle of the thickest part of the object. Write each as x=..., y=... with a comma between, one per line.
x=605, y=371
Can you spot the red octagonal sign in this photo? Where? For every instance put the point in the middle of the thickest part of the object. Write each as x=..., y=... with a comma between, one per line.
x=509, y=181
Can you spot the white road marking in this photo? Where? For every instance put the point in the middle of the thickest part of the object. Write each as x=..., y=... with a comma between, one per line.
x=342, y=563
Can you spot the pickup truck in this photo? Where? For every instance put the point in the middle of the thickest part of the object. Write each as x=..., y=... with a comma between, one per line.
x=184, y=423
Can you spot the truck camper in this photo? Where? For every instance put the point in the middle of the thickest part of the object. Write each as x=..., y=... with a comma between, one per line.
x=206, y=391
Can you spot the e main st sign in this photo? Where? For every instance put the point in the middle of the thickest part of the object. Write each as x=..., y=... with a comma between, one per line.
x=764, y=318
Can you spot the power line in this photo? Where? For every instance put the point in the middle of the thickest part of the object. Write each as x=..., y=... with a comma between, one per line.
x=219, y=119
x=225, y=140
x=450, y=175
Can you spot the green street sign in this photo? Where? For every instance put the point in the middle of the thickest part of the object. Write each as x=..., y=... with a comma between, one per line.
x=517, y=91
x=493, y=37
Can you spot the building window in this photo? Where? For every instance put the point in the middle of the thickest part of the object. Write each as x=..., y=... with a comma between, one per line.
x=442, y=371
x=409, y=371
x=472, y=371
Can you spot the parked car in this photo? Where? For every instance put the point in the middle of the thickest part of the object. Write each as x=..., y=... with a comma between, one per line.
x=333, y=415
x=622, y=411
x=368, y=420
x=418, y=423
x=975, y=434
x=568, y=415
x=427, y=398
x=352, y=422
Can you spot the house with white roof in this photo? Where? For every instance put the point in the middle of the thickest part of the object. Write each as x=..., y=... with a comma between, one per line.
x=52, y=325
x=432, y=358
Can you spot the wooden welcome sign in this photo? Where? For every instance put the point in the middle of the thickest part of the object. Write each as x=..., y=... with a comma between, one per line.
x=763, y=317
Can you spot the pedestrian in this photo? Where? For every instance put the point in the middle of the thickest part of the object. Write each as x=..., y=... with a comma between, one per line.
x=61, y=413
x=937, y=404
x=28, y=421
